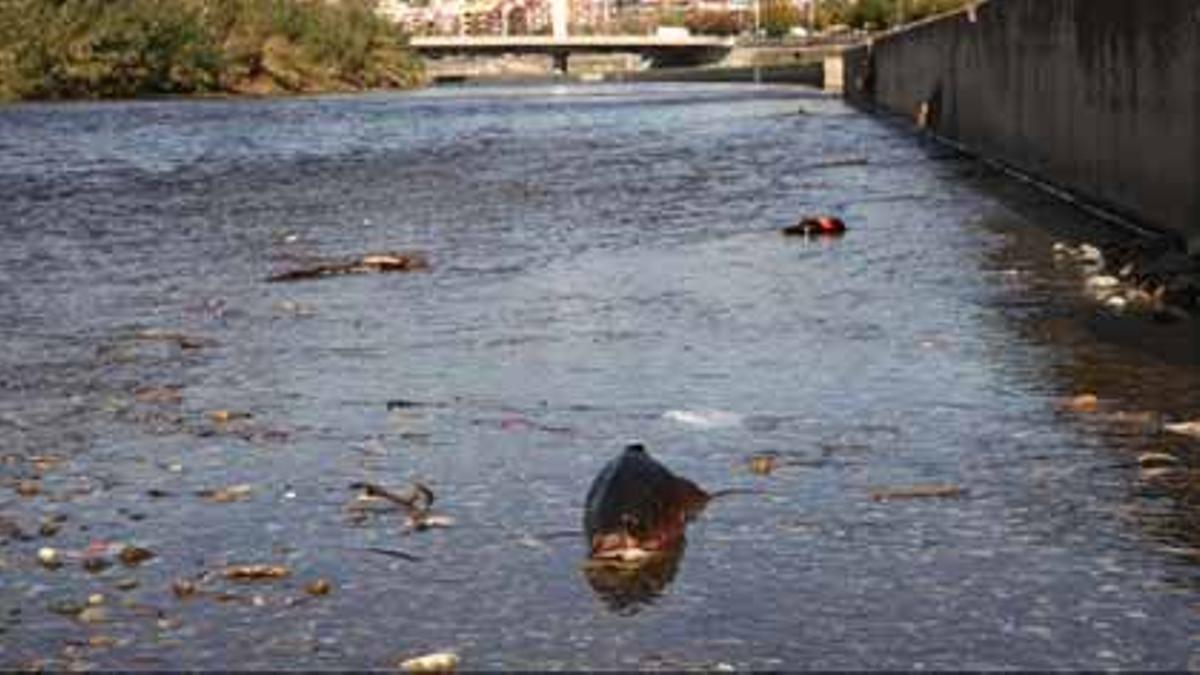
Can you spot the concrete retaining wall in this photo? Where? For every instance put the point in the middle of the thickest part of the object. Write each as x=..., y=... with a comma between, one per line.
x=1100, y=97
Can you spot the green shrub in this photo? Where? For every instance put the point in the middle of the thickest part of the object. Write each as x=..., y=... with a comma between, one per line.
x=107, y=48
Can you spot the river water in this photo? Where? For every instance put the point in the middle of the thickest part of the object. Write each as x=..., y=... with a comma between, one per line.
x=605, y=267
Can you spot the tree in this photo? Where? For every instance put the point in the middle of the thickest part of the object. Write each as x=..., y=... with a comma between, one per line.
x=779, y=17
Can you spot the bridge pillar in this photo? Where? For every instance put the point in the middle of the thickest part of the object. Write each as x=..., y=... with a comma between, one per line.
x=560, y=61
x=559, y=18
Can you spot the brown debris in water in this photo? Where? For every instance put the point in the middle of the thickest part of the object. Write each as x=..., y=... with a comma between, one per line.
x=183, y=340
x=318, y=587
x=416, y=501
x=132, y=556
x=438, y=662
x=1083, y=403
x=762, y=465
x=371, y=263
x=256, y=572
x=226, y=495
x=1184, y=428
x=917, y=492
x=168, y=395
x=227, y=416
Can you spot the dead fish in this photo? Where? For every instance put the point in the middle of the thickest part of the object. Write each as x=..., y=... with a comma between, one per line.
x=636, y=507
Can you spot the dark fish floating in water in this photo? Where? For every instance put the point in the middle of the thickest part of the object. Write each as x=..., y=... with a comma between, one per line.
x=636, y=508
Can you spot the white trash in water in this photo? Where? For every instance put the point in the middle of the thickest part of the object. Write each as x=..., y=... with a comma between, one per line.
x=705, y=419
x=1184, y=428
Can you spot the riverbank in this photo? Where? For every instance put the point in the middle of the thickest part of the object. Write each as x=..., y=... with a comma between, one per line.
x=1098, y=98
x=135, y=48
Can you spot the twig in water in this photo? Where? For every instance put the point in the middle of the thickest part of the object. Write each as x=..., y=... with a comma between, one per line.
x=393, y=553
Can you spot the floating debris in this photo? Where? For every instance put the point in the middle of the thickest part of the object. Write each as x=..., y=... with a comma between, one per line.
x=1157, y=459
x=126, y=584
x=95, y=614
x=183, y=588
x=168, y=395
x=295, y=309
x=427, y=521
x=416, y=502
x=1151, y=276
x=393, y=553
x=318, y=587
x=917, y=492
x=704, y=419
x=96, y=563
x=1083, y=403
x=227, y=416
x=49, y=558
x=762, y=465
x=28, y=488
x=132, y=556
x=1155, y=472
x=405, y=404
x=1184, y=428
x=417, y=497
x=232, y=493
x=183, y=340
x=816, y=226
x=256, y=572
x=103, y=642
x=404, y=261
x=438, y=662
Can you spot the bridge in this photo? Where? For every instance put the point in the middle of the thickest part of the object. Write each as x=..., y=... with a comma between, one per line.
x=662, y=51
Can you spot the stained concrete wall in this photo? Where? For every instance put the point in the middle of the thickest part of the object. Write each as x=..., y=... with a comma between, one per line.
x=1100, y=97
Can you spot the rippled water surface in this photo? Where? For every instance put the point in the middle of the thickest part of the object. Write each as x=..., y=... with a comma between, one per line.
x=606, y=266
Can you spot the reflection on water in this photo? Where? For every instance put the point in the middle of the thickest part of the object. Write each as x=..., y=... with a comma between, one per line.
x=626, y=586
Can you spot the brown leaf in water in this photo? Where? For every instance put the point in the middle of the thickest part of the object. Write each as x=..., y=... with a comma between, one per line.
x=232, y=493
x=762, y=465
x=28, y=488
x=256, y=572
x=318, y=587
x=183, y=588
x=227, y=416
x=168, y=395
x=1083, y=403
x=132, y=556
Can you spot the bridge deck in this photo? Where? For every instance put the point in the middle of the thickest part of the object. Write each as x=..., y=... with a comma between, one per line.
x=573, y=43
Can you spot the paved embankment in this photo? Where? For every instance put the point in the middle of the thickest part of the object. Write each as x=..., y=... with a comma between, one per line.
x=1100, y=97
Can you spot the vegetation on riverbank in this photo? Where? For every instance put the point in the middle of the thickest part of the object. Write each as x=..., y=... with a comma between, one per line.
x=877, y=14
x=123, y=48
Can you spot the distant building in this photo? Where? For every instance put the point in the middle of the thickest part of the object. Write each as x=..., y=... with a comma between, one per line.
x=468, y=17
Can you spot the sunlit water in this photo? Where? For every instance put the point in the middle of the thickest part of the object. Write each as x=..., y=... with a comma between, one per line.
x=606, y=267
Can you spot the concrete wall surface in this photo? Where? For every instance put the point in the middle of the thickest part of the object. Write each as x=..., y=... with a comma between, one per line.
x=1100, y=97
